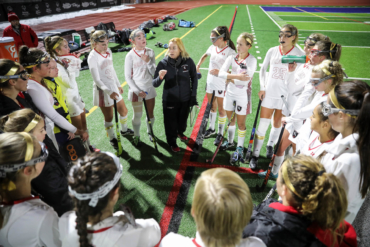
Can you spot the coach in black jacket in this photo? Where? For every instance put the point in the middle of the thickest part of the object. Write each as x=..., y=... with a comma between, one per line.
x=178, y=71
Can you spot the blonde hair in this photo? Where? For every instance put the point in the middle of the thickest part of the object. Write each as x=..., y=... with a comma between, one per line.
x=248, y=37
x=319, y=37
x=330, y=67
x=17, y=121
x=293, y=30
x=94, y=35
x=183, y=52
x=53, y=43
x=222, y=207
x=318, y=195
x=134, y=34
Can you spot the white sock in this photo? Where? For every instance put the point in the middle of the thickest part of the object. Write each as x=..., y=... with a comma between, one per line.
x=212, y=120
x=136, y=122
x=274, y=136
x=110, y=130
x=241, y=137
x=277, y=163
x=231, y=133
x=123, y=121
x=259, y=136
x=221, y=124
x=147, y=124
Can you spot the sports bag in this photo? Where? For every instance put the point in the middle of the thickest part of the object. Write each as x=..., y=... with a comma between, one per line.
x=123, y=36
x=183, y=23
x=73, y=150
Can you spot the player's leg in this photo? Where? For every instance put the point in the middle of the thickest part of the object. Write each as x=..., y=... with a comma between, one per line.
x=221, y=119
x=212, y=116
x=122, y=110
x=150, y=103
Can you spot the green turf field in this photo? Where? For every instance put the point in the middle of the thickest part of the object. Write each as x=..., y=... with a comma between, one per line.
x=148, y=180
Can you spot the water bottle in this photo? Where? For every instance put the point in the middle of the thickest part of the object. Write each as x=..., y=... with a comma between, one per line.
x=292, y=59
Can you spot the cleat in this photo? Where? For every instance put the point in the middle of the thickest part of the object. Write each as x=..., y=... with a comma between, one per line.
x=175, y=148
x=269, y=152
x=209, y=133
x=128, y=132
x=236, y=156
x=183, y=138
x=263, y=175
x=226, y=145
x=114, y=143
x=137, y=141
x=217, y=140
x=253, y=163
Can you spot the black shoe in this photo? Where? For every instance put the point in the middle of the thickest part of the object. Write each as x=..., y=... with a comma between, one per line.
x=218, y=139
x=128, y=132
x=114, y=143
x=253, y=163
x=269, y=152
x=209, y=132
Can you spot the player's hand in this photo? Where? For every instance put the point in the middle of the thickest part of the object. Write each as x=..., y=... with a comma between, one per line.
x=244, y=76
x=85, y=136
x=114, y=96
x=198, y=68
x=76, y=54
x=292, y=66
x=142, y=94
x=261, y=94
x=145, y=58
x=162, y=73
x=120, y=90
x=283, y=120
x=70, y=135
x=214, y=72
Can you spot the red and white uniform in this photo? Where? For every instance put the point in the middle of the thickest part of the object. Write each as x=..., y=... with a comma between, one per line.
x=239, y=91
x=139, y=74
x=105, y=78
x=112, y=231
x=29, y=223
x=343, y=160
x=275, y=82
x=67, y=80
x=217, y=59
x=173, y=239
x=314, y=147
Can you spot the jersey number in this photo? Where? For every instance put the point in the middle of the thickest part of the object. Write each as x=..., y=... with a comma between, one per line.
x=279, y=73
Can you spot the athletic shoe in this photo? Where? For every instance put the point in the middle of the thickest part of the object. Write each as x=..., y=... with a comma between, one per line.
x=240, y=151
x=93, y=149
x=114, y=143
x=183, y=138
x=269, y=152
x=175, y=148
x=128, y=132
x=226, y=145
x=218, y=139
x=209, y=132
x=253, y=163
x=263, y=175
x=236, y=156
x=137, y=141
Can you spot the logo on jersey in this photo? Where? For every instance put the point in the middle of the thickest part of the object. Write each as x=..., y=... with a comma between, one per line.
x=295, y=134
x=219, y=91
x=185, y=68
x=239, y=108
x=56, y=102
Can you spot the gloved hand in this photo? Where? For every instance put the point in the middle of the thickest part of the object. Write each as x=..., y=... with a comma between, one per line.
x=199, y=76
x=193, y=101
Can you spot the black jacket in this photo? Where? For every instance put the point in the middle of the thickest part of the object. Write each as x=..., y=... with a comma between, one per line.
x=282, y=226
x=7, y=105
x=181, y=81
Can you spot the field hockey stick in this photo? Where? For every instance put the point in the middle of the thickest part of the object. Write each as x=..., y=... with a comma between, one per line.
x=251, y=139
x=151, y=129
x=270, y=192
x=119, y=151
x=210, y=161
x=262, y=187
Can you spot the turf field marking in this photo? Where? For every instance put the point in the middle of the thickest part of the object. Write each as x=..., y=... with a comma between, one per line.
x=335, y=31
x=310, y=13
x=160, y=54
x=356, y=46
x=327, y=22
x=343, y=17
x=357, y=78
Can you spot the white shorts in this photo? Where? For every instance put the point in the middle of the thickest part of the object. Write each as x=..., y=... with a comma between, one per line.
x=241, y=105
x=102, y=99
x=135, y=98
x=272, y=103
x=219, y=91
x=75, y=105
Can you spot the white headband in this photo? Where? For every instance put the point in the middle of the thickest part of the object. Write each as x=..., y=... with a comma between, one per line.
x=104, y=189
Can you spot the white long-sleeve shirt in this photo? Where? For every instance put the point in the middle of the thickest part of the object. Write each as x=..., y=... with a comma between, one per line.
x=138, y=73
x=29, y=223
x=102, y=71
x=274, y=82
x=343, y=160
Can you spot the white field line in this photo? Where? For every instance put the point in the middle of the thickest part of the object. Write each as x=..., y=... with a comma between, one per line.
x=279, y=27
x=326, y=22
x=250, y=19
x=356, y=78
x=329, y=16
x=334, y=31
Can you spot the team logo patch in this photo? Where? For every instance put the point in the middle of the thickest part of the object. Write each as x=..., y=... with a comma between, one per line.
x=295, y=134
x=219, y=91
x=239, y=108
x=185, y=68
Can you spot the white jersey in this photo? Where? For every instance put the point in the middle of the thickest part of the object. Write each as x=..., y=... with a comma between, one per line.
x=218, y=58
x=173, y=239
x=102, y=71
x=275, y=82
x=343, y=160
x=138, y=73
x=314, y=147
x=111, y=232
x=239, y=88
x=29, y=223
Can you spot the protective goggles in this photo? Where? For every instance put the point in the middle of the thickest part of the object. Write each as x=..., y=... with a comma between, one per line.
x=286, y=34
x=101, y=38
x=11, y=75
x=317, y=81
x=8, y=168
x=214, y=39
x=44, y=58
x=327, y=110
x=310, y=41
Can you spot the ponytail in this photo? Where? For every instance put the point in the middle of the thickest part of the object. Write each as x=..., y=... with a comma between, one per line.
x=330, y=50
x=224, y=30
x=51, y=44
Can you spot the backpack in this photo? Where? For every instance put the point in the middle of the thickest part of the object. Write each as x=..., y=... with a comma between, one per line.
x=123, y=36
x=183, y=23
x=102, y=26
x=73, y=149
